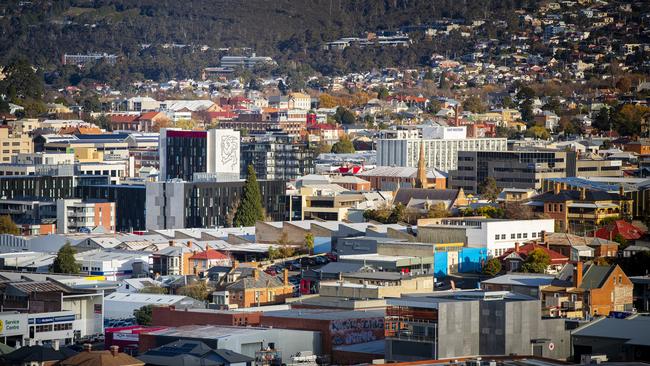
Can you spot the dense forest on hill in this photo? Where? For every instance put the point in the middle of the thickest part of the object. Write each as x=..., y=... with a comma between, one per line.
x=292, y=32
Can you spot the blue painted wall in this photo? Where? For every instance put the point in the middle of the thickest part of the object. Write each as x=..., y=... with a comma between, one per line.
x=471, y=259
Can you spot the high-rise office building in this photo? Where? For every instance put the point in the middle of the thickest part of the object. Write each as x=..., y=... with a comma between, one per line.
x=183, y=153
x=438, y=153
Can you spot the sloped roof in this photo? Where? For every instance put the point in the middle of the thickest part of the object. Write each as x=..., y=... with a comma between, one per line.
x=633, y=329
x=622, y=227
x=36, y=353
x=209, y=254
x=101, y=358
x=524, y=250
x=404, y=195
x=574, y=195
x=263, y=280
x=595, y=276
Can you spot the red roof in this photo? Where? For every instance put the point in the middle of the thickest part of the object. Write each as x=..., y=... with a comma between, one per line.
x=556, y=258
x=148, y=115
x=627, y=231
x=123, y=118
x=209, y=254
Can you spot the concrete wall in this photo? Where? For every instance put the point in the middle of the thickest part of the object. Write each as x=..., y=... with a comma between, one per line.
x=442, y=234
x=458, y=329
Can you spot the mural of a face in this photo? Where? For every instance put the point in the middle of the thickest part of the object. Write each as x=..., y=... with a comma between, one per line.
x=229, y=150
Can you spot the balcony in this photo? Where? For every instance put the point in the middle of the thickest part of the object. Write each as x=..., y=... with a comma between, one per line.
x=555, y=302
x=572, y=305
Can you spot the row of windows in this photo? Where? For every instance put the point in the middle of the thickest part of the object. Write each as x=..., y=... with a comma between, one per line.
x=517, y=236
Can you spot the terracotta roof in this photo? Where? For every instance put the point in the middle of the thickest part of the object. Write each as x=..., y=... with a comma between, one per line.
x=524, y=250
x=101, y=358
x=121, y=118
x=622, y=227
x=148, y=115
x=209, y=254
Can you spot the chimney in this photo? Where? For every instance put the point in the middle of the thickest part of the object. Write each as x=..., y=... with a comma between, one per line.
x=171, y=243
x=577, y=274
x=544, y=236
x=517, y=247
x=556, y=188
x=286, y=277
x=55, y=345
x=583, y=194
x=88, y=347
x=115, y=350
x=256, y=274
x=235, y=264
x=621, y=191
x=188, y=244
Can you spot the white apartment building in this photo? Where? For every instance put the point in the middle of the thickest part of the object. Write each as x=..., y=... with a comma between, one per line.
x=497, y=236
x=42, y=158
x=441, y=154
x=114, y=265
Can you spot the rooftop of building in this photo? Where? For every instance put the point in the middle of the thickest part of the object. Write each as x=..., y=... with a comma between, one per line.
x=634, y=329
x=323, y=314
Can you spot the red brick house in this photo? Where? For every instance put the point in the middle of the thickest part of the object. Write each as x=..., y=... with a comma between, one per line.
x=514, y=258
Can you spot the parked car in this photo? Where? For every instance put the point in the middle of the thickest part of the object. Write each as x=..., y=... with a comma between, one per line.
x=271, y=271
x=331, y=257
x=294, y=266
x=321, y=259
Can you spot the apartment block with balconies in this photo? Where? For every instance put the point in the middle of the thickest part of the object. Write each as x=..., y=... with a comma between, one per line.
x=79, y=216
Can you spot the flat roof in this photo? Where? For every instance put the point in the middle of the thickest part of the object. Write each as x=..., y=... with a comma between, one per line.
x=321, y=314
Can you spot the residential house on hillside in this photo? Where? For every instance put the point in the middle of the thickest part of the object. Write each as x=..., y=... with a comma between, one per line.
x=581, y=211
x=591, y=290
x=513, y=259
x=202, y=261
x=256, y=289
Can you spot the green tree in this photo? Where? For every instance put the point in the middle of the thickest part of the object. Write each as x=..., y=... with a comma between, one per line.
x=65, y=261
x=398, y=214
x=474, y=104
x=250, y=208
x=538, y=132
x=309, y=243
x=343, y=146
x=21, y=81
x=536, y=262
x=323, y=148
x=437, y=211
x=492, y=267
x=345, y=116
x=143, y=315
x=382, y=93
x=489, y=190
x=199, y=291
x=622, y=242
x=7, y=226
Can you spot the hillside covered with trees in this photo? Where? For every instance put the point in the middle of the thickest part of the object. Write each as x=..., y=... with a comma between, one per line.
x=162, y=39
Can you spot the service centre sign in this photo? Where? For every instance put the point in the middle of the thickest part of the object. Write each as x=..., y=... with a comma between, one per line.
x=13, y=324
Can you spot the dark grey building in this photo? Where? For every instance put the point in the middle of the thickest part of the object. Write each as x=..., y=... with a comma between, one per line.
x=37, y=186
x=179, y=204
x=129, y=203
x=276, y=155
x=621, y=340
x=524, y=169
x=471, y=323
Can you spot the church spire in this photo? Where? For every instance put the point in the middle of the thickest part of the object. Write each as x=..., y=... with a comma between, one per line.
x=421, y=180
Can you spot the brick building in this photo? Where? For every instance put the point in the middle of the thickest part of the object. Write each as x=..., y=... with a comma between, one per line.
x=337, y=328
x=258, y=289
x=172, y=317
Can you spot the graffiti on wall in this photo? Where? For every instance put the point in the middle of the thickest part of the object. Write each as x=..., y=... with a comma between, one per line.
x=353, y=331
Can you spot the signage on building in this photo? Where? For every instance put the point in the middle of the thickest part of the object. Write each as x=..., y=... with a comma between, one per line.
x=13, y=324
x=129, y=337
x=52, y=319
